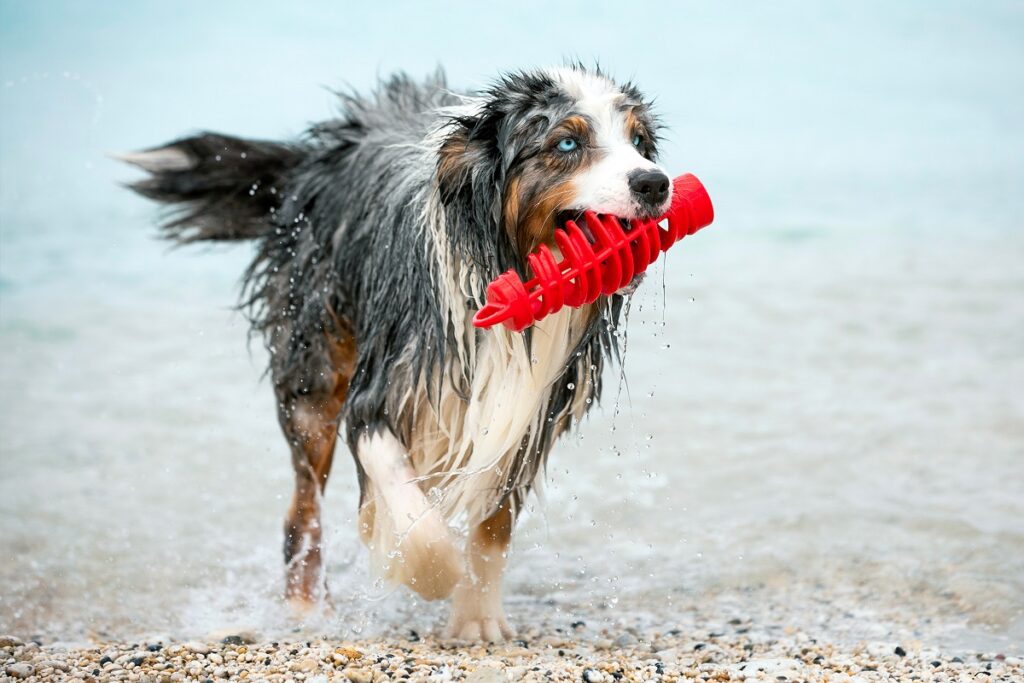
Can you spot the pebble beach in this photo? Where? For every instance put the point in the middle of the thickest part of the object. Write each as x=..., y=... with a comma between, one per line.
x=573, y=654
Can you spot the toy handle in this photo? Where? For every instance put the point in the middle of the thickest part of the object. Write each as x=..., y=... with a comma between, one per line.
x=507, y=300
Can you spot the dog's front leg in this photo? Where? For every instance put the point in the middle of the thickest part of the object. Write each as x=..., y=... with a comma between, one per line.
x=408, y=537
x=477, y=612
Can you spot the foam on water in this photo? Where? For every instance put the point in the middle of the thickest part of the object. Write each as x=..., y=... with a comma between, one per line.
x=822, y=425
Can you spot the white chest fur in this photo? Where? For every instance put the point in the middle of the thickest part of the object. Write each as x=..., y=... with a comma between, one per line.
x=468, y=449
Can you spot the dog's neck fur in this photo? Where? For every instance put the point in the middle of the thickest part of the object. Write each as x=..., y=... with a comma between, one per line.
x=480, y=438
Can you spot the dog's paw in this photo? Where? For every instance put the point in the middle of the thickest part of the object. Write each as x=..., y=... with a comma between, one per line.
x=300, y=607
x=488, y=629
x=426, y=558
x=477, y=613
x=432, y=567
x=304, y=609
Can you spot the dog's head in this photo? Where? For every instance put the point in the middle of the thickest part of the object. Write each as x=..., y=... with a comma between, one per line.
x=541, y=147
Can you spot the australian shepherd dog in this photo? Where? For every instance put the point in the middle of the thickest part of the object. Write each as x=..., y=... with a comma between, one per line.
x=376, y=235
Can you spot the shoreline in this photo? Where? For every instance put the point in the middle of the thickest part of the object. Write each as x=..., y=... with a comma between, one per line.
x=537, y=655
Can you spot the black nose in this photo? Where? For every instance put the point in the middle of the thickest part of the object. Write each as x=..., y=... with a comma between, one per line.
x=650, y=187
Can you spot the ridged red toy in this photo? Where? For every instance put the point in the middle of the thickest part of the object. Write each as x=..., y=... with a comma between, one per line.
x=588, y=268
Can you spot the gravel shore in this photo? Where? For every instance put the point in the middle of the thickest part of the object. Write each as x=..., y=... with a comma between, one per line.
x=573, y=655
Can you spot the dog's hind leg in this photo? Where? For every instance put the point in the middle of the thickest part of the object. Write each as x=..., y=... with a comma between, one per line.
x=310, y=423
x=408, y=537
x=477, y=612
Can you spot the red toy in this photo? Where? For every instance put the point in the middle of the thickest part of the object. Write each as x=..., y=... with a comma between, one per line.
x=590, y=268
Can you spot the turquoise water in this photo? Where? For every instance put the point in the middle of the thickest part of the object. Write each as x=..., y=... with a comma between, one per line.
x=824, y=422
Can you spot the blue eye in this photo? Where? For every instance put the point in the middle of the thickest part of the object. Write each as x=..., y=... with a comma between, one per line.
x=637, y=140
x=567, y=145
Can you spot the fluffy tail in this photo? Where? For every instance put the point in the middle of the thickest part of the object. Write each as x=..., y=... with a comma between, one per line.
x=224, y=188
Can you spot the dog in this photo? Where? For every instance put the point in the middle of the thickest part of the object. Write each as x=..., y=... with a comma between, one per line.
x=376, y=235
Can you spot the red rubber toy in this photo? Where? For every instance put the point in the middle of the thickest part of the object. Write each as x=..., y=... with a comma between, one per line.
x=590, y=268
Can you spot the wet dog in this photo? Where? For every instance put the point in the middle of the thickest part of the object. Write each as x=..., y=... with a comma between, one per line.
x=376, y=236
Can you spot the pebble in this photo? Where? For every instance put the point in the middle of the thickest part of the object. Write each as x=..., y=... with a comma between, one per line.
x=543, y=653
x=233, y=637
x=360, y=676
x=626, y=640
x=20, y=670
x=487, y=674
x=669, y=654
x=307, y=665
x=773, y=668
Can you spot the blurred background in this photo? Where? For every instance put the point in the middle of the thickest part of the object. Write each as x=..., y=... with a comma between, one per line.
x=823, y=423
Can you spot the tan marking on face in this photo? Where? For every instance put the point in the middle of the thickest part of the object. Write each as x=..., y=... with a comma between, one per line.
x=546, y=185
x=632, y=124
x=574, y=126
x=511, y=206
x=536, y=222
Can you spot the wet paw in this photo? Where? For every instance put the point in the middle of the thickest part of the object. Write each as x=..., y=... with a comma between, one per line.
x=488, y=629
x=303, y=608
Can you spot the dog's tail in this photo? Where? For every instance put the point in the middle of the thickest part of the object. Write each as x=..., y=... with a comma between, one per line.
x=224, y=188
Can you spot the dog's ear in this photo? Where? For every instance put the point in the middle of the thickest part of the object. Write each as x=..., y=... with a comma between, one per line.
x=469, y=158
x=470, y=172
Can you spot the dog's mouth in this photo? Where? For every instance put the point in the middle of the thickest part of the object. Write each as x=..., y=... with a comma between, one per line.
x=563, y=217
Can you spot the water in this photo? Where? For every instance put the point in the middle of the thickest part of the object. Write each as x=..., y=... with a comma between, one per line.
x=823, y=423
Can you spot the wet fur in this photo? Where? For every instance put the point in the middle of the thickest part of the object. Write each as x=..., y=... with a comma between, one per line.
x=377, y=234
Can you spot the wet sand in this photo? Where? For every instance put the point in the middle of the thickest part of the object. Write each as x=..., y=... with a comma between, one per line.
x=574, y=654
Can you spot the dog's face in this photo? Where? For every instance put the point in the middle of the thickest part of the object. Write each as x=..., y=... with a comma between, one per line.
x=560, y=142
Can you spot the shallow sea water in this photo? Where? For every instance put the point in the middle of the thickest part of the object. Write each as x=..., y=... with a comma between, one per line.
x=821, y=425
